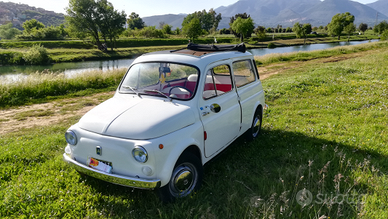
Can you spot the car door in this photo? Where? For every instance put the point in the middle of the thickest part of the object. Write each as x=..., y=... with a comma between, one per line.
x=248, y=87
x=220, y=110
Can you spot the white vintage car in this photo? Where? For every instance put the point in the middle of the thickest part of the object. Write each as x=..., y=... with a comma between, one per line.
x=172, y=113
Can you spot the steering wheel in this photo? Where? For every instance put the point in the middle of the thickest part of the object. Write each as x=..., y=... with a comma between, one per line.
x=184, y=88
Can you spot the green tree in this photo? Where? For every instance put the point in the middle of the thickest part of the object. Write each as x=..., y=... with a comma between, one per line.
x=260, y=32
x=289, y=30
x=243, y=27
x=32, y=25
x=7, y=31
x=381, y=27
x=167, y=29
x=209, y=20
x=94, y=18
x=302, y=30
x=384, y=35
x=134, y=21
x=363, y=27
x=242, y=16
x=349, y=29
x=151, y=32
x=193, y=29
x=177, y=31
x=112, y=22
x=339, y=22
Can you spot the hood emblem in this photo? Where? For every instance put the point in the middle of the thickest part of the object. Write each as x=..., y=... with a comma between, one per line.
x=99, y=150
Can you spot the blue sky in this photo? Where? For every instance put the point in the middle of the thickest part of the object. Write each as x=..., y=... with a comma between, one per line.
x=145, y=7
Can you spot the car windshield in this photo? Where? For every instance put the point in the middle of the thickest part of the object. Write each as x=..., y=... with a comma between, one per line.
x=163, y=79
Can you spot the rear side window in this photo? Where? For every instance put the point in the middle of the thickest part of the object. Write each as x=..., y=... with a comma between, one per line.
x=243, y=72
x=218, y=81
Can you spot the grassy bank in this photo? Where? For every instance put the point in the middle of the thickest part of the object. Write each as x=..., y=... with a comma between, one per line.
x=323, y=152
x=43, y=87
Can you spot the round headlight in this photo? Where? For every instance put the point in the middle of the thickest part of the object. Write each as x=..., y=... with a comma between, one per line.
x=140, y=154
x=71, y=137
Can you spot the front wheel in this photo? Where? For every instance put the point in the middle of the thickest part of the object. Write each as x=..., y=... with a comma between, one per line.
x=254, y=131
x=186, y=178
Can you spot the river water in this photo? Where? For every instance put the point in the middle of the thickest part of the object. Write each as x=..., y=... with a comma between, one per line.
x=13, y=73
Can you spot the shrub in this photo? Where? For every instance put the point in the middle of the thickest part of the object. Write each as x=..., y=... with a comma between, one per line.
x=36, y=55
x=271, y=45
x=384, y=35
x=10, y=57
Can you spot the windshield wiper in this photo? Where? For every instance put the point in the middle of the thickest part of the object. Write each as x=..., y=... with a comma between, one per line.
x=133, y=89
x=159, y=92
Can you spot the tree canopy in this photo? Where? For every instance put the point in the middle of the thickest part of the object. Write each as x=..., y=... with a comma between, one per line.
x=243, y=16
x=363, y=27
x=243, y=27
x=134, y=21
x=339, y=22
x=193, y=29
x=302, y=30
x=208, y=20
x=349, y=29
x=381, y=27
x=260, y=32
x=7, y=31
x=95, y=18
x=32, y=25
x=112, y=21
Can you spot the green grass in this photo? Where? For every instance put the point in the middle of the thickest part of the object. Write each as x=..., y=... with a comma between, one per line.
x=42, y=87
x=33, y=113
x=325, y=131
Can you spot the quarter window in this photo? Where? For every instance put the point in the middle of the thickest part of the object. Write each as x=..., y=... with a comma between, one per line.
x=218, y=81
x=243, y=72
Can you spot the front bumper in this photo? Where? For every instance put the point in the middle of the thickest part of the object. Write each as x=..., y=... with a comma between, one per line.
x=112, y=178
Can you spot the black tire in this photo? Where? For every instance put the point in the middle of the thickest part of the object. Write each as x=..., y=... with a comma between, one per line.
x=255, y=128
x=185, y=179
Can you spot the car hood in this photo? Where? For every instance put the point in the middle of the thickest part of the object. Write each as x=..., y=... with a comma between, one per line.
x=137, y=118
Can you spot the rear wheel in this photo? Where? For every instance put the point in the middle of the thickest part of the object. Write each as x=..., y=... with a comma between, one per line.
x=254, y=131
x=185, y=179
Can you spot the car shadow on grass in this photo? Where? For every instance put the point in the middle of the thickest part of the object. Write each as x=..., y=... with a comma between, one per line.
x=281, y=173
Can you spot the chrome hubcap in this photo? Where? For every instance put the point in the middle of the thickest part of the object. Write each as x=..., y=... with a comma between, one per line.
x=256, y=127
x=183, y=180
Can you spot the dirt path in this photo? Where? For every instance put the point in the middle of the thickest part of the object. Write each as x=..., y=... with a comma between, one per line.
x=36, y=115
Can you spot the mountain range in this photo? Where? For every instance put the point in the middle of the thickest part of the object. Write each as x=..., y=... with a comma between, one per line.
x=270, y=13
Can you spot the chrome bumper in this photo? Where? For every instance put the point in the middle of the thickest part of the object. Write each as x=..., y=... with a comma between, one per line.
x=112, y=178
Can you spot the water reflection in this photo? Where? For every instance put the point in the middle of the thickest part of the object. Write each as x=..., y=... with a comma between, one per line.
x=311, y=47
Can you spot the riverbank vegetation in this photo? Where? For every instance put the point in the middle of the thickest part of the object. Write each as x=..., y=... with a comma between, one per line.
x=11, y=52
x=322, y=153
x=41, y=87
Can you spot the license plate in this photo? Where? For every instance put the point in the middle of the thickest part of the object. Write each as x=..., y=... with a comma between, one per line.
x=100, y=165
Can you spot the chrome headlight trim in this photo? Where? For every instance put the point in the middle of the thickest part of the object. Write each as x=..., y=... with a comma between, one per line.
x=71, y=137
x=140, y=154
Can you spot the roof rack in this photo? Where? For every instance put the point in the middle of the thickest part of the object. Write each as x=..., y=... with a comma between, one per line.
x=216, y=48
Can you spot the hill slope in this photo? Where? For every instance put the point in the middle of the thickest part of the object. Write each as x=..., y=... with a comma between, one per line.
x=19, y=13
x=380, y=6
x=270, y=13
x=322, y=13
